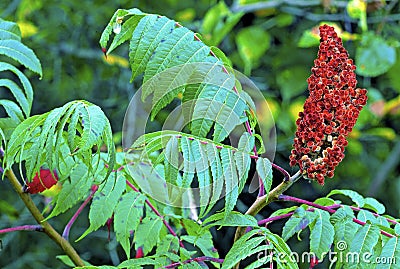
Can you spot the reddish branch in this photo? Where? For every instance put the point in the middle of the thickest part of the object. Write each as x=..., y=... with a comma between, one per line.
x=157, y=213
x=198, y=259
x=75, y=216
x=325, y=208
x=37, y=228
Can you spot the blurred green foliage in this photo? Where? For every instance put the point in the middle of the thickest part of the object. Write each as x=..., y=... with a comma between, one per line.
x=274, y=42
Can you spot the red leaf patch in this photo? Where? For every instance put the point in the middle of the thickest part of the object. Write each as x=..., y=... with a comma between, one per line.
x=42, y=182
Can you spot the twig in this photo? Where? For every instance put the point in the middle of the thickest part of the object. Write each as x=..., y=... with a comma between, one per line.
x=157, y=213
x=47, y=228
x=375, y=214
x=273, y=195
x=36, y=228
x=283, y=171
x=67, y=228
x=325, y=208
x=198, y=259
x=275, y=218
x=263, y=201
x=283, y=197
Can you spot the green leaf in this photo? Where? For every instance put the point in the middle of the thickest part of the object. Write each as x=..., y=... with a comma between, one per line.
x=322, y=233
x=354, y=196
x=397, y=228
x=341, y=214
x=23, y=99
x=73, y=190
x=364, y=241
x=159, y=44
x=96, y=267
x=324, y=201
x=151, y=180
x=283, y=211
x=375, y=205
x=171, y=161
x=374, y=56
x=215, y=165
x=218, y=104
x=233, y=219
x=308, y=39
x=292, y=81
x=203, y=174
x=188, y=163
x=204, y=242
x=104, y=202
x=231, y=180
x=297, y=222
x=252, y=43
x=18, y=95
x=45, y=138
x=218, y=22
x=249, y=244
x=23, y=79
x=285, y=258
x=127, y=218
x=127, y=29
x=12, y=110
x=136, y=263
x=145, y=39
x=9, y=30
x=220, y=55
x=246, y=246
x=148, y=232
x=119, y=14
x=216, y=173
x=365, y=216
x=390, y=253
x=242, y=158
x=191, y=265
x=264, y=170
x=21, y=53
x=169, y=243
x=167, y=50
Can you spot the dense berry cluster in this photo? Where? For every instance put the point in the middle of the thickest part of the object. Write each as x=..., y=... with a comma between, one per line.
x=330, y=111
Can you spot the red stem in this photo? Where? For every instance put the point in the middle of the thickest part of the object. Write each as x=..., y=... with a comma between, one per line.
x=67, y=228
x=275, y=218
x=36, y=228
x=198, y=259
x=283, y=197
x=157, y=213
x=375, y=214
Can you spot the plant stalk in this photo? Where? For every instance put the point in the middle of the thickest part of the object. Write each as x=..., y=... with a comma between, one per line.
x=67, y=228
x=264, y=200
x=197, y=259
x=36, y=228
x=47, y=228
x=325, y=208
